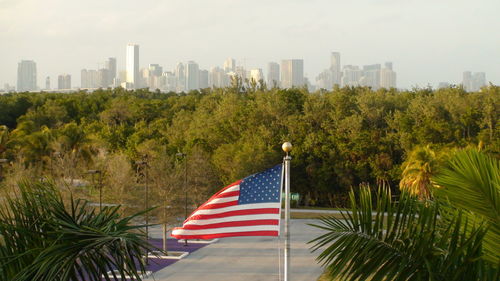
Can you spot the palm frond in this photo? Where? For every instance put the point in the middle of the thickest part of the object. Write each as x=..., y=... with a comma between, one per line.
x=45, y=240
x=399, y=241
x=471, y=182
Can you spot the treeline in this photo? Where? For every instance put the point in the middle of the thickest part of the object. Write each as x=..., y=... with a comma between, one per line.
x=341, y=138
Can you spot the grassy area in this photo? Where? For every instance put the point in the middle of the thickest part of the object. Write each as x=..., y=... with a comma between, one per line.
x=320, y=208
x=299, y=215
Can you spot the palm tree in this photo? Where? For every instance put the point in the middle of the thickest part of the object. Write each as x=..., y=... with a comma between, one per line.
x=401, y=241
x=471, y=182
x=42, y=238
x=4, y=138
x=418, y=170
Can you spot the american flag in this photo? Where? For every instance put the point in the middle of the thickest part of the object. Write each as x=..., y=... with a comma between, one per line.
x=248, y=207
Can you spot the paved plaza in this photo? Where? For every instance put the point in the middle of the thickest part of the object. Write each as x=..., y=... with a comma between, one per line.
x=246, y=259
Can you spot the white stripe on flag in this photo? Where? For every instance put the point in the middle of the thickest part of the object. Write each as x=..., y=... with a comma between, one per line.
x=223, y=200
x=226, y=230
x=235, y=218
x=238, y=207
x=232, y=188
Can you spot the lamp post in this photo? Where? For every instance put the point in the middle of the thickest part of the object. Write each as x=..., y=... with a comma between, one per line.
x=183, y=155
x=99, y=173
x=287, y=147
x=2, y=161
x=56, y=154
x=144, y=165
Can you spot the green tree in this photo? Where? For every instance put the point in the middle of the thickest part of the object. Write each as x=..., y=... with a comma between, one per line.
x=418, y=169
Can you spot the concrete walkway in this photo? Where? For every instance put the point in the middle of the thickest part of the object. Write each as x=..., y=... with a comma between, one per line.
x=247, y=259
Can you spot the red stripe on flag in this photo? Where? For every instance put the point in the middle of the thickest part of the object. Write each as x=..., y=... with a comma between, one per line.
x=231, y=224
x=217, y=194
x=261, y=211
x=229, y=194
x=232, y=234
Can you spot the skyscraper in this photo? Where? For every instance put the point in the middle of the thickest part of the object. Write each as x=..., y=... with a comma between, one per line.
x=64, y=82
x=478, y=81
x=467, y=80
x=26, y=76
x=203, y=79
x=89, y=79
x=229, y=65
x=110, y=65
x=371, y=76
x=218, y=77
x=325, y=79
x=192, y=76
x=292, y=73
x=387, y=76
x=352, y=75
x=335, y=62
x=180, y=73
x=102, y=80
x=132, y=65
x=273, y=74
x=256, y=75
x=47, y=83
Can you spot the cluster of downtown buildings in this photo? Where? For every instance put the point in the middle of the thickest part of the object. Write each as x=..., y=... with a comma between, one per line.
x=188, y=76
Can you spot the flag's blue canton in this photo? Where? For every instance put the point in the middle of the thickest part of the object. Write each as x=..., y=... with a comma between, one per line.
x=262, y=187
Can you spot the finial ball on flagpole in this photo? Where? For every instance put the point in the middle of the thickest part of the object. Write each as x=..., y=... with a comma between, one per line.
x=287, y=147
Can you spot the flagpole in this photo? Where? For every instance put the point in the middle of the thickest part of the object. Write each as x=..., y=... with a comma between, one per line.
x=287, y=147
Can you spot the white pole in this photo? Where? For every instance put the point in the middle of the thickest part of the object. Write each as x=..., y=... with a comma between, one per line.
x=287, y=147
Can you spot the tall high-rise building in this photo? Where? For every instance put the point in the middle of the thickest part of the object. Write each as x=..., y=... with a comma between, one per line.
x=478, y=81
x=64, y=82
x=152, y=75
x=230, y=65
x=371, y=76
x=132, y=65
x=335, y=62
x=203, y=79
x=467, y=80
x=180, y=74
x=192, y=76
x=110, y=65
x=473, y=81
x=387, y=76
x=292, y=73
x=352, y=75
x=325, y=79
x=26, y=76
x=102, y=80
x=218, y=77
x=89, y=79
x=256, y=75
x=47, y=83
x=170, y=81
x=273, y=74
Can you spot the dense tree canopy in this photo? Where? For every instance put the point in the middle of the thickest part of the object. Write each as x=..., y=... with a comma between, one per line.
x=341, y=138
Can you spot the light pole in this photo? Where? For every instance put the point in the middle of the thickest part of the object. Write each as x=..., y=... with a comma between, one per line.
x=144, y=165
x=56, y=155
x=97, y=172
x=183, y=155
x=2, y=161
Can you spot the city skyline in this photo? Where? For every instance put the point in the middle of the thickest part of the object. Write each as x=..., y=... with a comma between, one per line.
x=427, y=45
x=288, y=74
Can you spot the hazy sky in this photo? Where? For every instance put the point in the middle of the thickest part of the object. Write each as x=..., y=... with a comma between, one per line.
x=427, y=40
